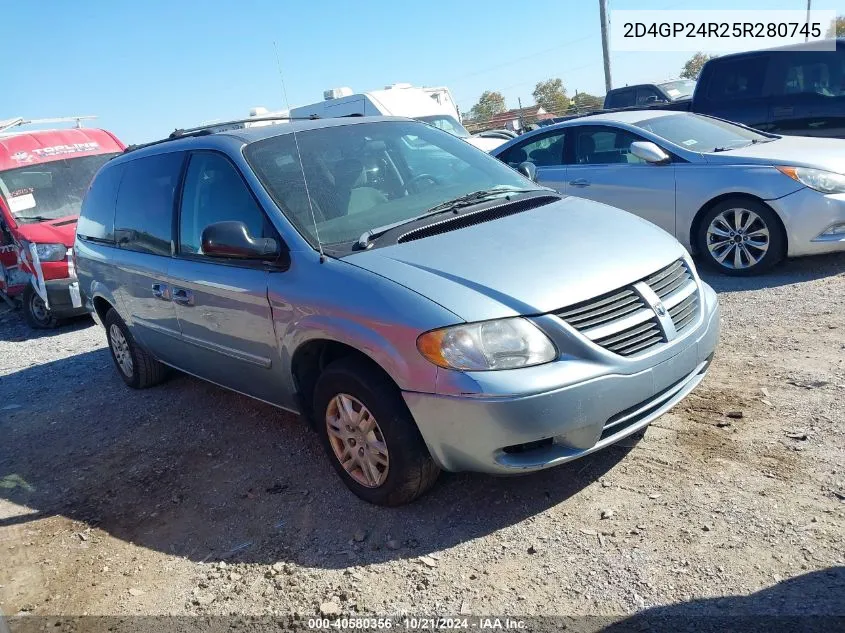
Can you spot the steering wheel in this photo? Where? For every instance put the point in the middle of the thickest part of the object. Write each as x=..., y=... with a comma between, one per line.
x=422, y=177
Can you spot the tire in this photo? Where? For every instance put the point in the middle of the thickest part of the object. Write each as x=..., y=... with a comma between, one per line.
x=719, y=226
x=404, y=468
x=35, y=313
x=141, y=370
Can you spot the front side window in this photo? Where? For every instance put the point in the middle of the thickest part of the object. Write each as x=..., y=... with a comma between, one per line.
x=811, y=72
x=544, y=151
x=215, y=192
x=646, y=95
x=605, y=146
x=699, y=133
x=143, y=218
x=366, y=175
x=46, y=191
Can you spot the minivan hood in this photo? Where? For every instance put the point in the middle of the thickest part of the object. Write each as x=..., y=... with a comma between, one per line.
x=799, y=151
x=58, y=231
x=529, y=263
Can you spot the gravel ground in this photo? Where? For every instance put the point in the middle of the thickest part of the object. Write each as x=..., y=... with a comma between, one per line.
x=188, y=499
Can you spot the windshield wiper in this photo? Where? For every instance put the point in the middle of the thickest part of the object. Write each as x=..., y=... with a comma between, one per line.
x=34, y=218
x=444, y=207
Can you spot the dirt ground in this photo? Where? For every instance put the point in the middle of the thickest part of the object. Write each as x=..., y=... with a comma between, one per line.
x=188, y=499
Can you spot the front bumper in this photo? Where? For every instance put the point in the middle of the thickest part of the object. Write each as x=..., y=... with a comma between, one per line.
x=806, y=214
x=542, y=430
x=63, y=298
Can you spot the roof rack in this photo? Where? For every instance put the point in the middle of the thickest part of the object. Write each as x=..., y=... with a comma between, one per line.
x=212, y=128
x=17, y=121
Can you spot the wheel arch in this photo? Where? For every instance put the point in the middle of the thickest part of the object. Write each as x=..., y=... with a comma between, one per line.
x=309, y=360
x=695, y=225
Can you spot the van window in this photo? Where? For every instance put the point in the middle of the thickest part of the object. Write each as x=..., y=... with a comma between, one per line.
x=737, y=79
x=620, y=98
x=144, y=214
x=811, y=72
x=215, y=192
x=96, y=221
x=545, y=151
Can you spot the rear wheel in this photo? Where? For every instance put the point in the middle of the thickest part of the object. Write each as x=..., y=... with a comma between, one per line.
x=740, y=237
x=35, y=311
x=370, y=436
x=135, y=365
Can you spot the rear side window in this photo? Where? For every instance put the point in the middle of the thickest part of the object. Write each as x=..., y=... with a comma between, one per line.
x=620, y=98
x=215, y=192
x=96, y=220
x=143, y=219
x=737, y=79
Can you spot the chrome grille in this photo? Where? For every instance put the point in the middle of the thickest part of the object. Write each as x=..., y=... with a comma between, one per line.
x=625, y=323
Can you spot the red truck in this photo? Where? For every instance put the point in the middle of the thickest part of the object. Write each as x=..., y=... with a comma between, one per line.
x=44, y=175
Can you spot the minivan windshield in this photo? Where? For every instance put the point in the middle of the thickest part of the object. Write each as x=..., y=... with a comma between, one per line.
x=701, y=134
x=361, y=176
x=46, y=191
x=446, y=123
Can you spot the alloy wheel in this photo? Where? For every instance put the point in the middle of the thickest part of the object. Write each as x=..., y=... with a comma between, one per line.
x=738, y=238
x=120, y=349
x=357, y=440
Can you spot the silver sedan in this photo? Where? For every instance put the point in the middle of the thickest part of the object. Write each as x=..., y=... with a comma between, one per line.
x=742, y=199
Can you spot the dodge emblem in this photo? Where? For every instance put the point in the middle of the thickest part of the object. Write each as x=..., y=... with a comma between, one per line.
x=660, y=308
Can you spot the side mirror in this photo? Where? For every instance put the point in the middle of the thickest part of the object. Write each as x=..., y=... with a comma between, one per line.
x=528, y=170
x=649, y=152
x=232, y=239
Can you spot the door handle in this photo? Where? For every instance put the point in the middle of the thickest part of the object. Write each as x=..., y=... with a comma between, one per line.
x=183, y=296
x=160, y=291
x=783, y=111
x=580, y=182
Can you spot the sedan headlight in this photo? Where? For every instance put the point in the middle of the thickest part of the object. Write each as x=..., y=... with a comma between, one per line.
x=501, y=344
x=818, y=179
x=51, y=252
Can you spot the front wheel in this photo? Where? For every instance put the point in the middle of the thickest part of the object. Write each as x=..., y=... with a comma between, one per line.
x=35, y=311
x=370, y=436
x=741, y=237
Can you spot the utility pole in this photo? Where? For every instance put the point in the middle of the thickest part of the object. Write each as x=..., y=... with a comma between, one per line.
x=521, y=122
x=605, y=45
x=807, y=35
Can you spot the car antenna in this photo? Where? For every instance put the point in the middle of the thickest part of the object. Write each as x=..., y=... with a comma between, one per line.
x=299, y=156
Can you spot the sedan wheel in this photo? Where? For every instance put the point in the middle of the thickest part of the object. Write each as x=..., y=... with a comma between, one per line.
x=741, y=237
x=357, y=440
x=738, y=238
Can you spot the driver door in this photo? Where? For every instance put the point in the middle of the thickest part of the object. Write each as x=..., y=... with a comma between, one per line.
x=602, y=168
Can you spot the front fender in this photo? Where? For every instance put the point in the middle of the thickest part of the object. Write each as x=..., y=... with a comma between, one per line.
x=391, y=354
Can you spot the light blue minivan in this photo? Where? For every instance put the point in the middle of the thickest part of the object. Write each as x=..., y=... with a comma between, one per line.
x=421, y=304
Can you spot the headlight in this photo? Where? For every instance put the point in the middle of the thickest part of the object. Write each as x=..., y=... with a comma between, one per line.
x=818, y=179
x=502, y=344
x=51, y=252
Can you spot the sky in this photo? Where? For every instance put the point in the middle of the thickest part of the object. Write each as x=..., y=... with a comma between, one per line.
x=148, y=67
